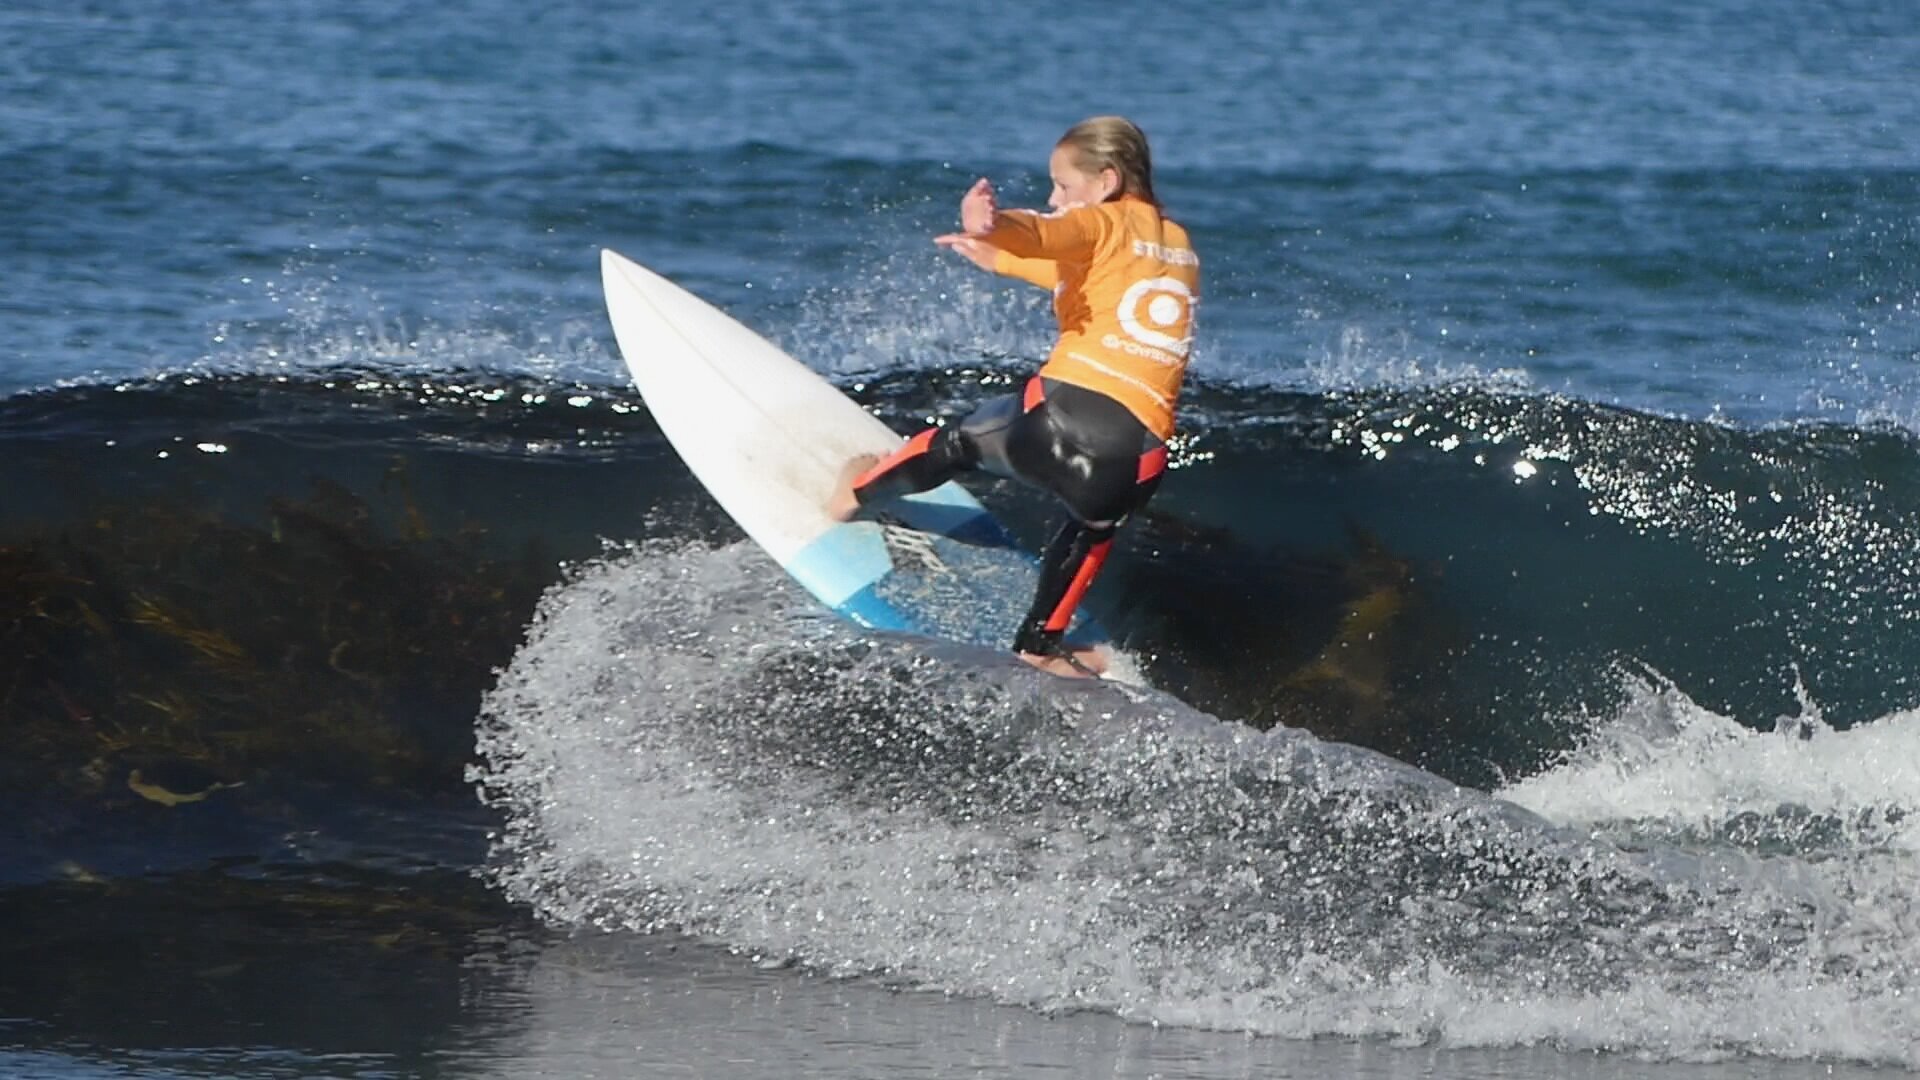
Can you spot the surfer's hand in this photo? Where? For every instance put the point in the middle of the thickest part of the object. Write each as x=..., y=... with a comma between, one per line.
x=977, y=208
x=978, y=250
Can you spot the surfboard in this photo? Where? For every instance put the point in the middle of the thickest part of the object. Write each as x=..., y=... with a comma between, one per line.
x=768, y=436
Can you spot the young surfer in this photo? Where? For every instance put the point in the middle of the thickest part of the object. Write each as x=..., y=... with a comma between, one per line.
x=1092, y=426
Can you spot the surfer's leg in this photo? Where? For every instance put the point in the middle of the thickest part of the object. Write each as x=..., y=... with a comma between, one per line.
x=1100, y=461
x=1072, y=559
x=938, y=454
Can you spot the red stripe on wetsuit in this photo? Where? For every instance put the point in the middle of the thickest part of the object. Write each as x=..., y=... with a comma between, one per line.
x=913, y=449
x=1062, y=615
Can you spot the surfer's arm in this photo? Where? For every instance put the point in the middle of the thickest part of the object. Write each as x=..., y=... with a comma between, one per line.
x=1042, y=272
x=1068, y=236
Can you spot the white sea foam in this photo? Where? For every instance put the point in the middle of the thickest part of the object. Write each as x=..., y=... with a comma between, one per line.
x=1665, y=761
x=681, y=746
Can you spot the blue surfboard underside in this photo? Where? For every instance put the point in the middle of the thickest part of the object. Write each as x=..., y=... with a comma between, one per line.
x=935, y=564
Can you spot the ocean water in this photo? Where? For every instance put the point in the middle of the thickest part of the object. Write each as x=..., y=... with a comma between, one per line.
x=1525, y=643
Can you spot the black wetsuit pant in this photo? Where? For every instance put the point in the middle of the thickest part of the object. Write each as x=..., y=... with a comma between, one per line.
x=1080, y=444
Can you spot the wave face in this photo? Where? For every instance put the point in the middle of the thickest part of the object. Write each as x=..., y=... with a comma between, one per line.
x=1676, y=653
x=1457, y=576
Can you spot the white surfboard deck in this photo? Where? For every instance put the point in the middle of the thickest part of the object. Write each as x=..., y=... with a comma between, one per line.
x=767, y=436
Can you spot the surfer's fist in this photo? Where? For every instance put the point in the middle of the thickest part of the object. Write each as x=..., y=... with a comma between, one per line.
x=977, y=208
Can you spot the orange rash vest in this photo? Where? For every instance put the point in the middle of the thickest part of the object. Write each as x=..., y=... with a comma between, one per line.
x=1124, y=283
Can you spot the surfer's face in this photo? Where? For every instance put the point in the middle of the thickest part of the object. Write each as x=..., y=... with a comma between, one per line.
x=1073, y=187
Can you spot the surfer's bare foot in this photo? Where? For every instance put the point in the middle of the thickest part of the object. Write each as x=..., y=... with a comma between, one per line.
x=1079, y=664
x=842, y=505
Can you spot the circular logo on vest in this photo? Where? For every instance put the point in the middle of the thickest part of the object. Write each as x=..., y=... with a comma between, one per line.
x=1168, y=303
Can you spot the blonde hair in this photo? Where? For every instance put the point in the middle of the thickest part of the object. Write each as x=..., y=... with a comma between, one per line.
x=1113, y=142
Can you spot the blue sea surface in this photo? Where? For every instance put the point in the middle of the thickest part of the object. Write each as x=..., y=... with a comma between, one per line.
x=1553, y=431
